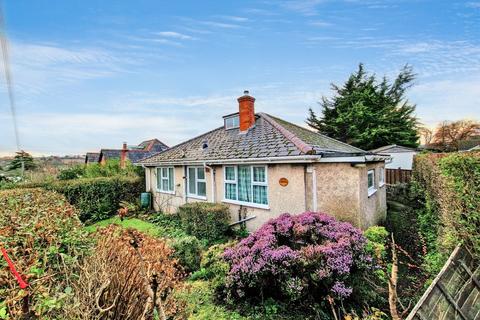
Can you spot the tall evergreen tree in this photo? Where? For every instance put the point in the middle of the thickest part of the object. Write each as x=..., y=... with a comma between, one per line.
x=20, y=158
x=368, y=113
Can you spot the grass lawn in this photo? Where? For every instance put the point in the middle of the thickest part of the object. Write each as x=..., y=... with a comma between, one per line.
x=140, y=225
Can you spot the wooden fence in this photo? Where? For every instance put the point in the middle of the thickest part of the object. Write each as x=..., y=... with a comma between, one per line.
x=394, y=176
x=454, y=293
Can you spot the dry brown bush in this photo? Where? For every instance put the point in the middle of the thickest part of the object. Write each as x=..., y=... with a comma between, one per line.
x=116, y=281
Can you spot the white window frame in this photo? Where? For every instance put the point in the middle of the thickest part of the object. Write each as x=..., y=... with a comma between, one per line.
x=234, y=126
x=371, y=189
x=204, y=180
x=253, y=183
x=168, y=178
x=381, y=177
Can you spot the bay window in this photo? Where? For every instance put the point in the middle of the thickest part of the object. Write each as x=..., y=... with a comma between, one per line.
x=246, y=184
x=165, y=179
x=197, y=186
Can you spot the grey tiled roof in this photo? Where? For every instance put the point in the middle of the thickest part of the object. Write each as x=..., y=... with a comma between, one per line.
x=146, y=149
x=92, y=157
x=270, y=137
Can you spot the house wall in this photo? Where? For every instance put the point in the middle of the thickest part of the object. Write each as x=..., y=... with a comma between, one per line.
x=374, y=206
x=341, y=192
x=338, y=191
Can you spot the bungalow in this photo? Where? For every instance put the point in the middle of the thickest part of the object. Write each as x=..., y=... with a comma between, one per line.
x=262, y=166
x=133, y=153
x=402, y=157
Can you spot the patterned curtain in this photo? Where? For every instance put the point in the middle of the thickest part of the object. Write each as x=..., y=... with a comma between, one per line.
x=260, y=194
x=244, y=184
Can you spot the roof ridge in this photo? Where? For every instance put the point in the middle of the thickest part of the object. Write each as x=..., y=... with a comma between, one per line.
x=181, y=143
x=299, y=143
x=320, y=134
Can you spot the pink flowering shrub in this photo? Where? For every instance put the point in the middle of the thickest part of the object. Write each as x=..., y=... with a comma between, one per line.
x=294, y=257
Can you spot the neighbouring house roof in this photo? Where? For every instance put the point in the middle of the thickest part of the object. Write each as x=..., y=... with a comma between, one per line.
x=393, y=148
x=135, y=154
x=92, y=157
x=467, y=145
x=270, y=137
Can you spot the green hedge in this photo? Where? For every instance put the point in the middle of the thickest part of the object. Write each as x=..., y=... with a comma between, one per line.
x=98, y=198
x=205, y=220
x=450, y=184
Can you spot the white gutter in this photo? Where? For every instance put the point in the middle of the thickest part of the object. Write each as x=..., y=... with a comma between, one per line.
x=292, y=159
x=267, y=160
x=212, y=180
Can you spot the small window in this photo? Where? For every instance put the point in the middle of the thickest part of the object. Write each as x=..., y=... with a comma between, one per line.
x=232, y=122
x=371, y=182
x=197, y=186
x=165, y=179
x=381, y=177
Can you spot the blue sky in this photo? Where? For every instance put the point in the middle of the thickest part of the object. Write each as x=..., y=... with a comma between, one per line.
x=91, y=74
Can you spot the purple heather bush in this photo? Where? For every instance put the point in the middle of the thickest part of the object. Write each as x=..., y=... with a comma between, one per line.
x=294, y=257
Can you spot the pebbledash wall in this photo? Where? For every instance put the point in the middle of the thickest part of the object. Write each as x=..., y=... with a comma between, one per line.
x=341, y=191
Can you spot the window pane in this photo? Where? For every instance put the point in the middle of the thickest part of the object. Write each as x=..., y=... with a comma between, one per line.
x=200, y=173
x=231, y=191
x=236, y=121
x=170, y=179
x=370, y=179
x=259, y=174
x=260, y=194
x=244, y=184
x=159, y=179
x=191, y=180
x=165, y=184
x=201, y=189
x=230, y=173
x=164, y=172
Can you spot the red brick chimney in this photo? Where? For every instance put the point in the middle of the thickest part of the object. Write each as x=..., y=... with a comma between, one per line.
x=123, y=156
x=246, y=109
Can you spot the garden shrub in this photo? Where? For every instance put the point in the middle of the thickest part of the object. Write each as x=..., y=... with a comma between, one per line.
x=188, y=251
x=98, y=198
x=95, y=170
x=450, y=185
x=124, y=265
x=213, y=267
x=205, y=220
x=45, y=239
x=300, y=258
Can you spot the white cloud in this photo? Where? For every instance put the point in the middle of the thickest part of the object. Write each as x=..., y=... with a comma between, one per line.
x=475, y=5
x=174, y=35
x=221, y=25
x=320, y=23
x=451, y=99
x=235, y=18
x=38, y=67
